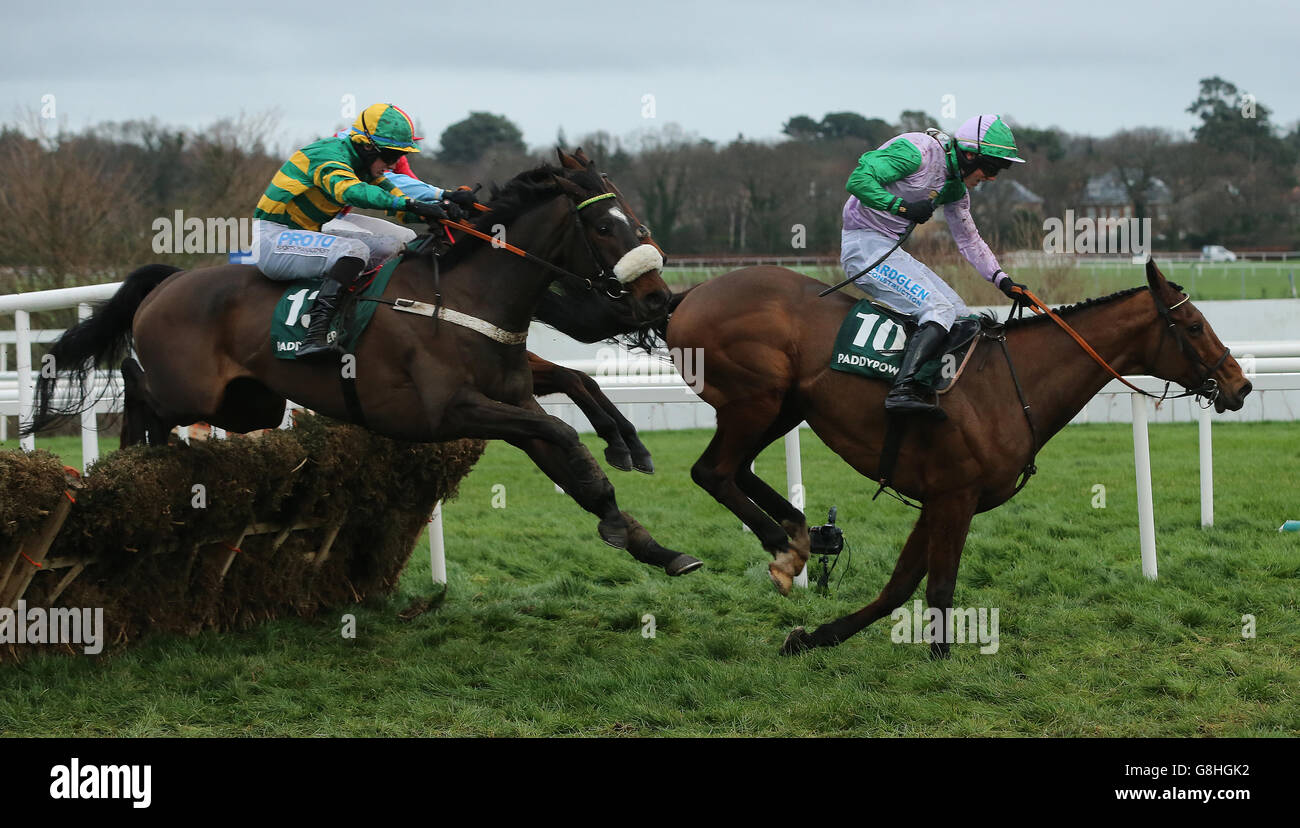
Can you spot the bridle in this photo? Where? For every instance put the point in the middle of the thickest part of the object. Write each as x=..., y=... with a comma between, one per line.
x=603, y=278
x=1206, y=387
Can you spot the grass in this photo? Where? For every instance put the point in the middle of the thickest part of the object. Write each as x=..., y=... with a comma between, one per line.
x=1203, y=281
x=541, y=631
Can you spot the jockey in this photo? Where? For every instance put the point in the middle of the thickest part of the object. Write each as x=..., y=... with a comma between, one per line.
x=326, y=179
x=902, y=182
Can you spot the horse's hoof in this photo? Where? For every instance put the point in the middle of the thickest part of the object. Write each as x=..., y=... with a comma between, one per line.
x=796, y=642
x=621, y=460
x=780, y=580
x=643, y=464
x=682, y=564
x=613, y=532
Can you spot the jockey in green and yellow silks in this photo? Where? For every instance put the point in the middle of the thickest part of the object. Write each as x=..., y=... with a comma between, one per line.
x=299, y=229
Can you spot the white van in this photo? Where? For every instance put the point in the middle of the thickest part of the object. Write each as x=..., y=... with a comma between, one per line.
x=1217, y=253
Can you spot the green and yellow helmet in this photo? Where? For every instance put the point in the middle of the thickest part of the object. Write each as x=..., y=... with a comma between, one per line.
x=988, y=135
x=386, y=127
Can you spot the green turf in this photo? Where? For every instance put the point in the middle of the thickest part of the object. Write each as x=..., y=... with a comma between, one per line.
x=541, y=632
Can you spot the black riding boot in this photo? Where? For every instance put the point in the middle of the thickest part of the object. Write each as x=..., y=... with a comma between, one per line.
x=907, y=396
x=339, y=279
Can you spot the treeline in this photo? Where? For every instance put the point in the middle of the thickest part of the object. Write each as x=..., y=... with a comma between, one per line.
x=79, y=206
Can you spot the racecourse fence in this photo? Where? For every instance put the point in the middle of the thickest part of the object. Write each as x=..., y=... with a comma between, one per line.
x=220, y=534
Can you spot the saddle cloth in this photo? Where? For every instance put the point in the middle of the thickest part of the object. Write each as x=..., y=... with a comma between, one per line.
x=872, y=338
x=292, y=314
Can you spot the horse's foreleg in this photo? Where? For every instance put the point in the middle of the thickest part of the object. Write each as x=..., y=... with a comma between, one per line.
x=620, y=425
x=742, y=429
x=624, y=531
x=623, y=449
x=554, y=446
x=792, y=560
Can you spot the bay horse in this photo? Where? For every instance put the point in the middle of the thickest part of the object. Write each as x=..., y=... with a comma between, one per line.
x=202, y=340
x=767, y=339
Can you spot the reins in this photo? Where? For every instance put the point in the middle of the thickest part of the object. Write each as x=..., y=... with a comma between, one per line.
x=1207, y=387
x=501, y=244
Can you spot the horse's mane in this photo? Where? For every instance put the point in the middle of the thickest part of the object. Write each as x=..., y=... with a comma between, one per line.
x=1066, y=310
x=519, y=195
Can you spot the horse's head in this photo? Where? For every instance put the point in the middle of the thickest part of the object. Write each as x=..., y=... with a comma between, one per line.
x=622, y=291
x=1186, y=350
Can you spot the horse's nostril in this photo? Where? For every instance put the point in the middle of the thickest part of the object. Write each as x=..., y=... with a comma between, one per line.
x=1245, y=389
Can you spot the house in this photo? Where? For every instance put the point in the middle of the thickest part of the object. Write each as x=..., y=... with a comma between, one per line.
x=1105, y=196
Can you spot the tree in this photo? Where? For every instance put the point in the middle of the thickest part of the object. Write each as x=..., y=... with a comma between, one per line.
x=465, y=142
x=852, y=125
x=914, y=120
x=801, y=128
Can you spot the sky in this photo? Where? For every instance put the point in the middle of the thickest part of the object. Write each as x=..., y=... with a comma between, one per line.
x=716, y=69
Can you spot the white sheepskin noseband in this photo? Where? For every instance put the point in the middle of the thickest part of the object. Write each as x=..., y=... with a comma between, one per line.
x=637, y=261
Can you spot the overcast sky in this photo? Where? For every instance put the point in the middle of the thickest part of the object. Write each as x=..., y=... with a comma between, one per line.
x=718, y=69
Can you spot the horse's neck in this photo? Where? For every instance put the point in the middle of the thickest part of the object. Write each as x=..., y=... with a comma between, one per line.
x=1060, y=377
x=513, y=284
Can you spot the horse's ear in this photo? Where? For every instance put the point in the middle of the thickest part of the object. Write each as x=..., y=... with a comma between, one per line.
x=582, y=157
x=573, y=190
x=568, y=161
x=1156, y=279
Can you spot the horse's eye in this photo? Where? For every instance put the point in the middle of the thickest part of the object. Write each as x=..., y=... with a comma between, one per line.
x=603, y=229
x=1195, y=329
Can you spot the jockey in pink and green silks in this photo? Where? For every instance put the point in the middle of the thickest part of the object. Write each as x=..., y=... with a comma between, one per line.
x=902, y=182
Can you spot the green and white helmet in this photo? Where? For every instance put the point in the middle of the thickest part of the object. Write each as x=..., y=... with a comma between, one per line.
x=988, y=135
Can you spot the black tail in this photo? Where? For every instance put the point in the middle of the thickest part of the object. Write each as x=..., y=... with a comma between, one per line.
x=100, y=341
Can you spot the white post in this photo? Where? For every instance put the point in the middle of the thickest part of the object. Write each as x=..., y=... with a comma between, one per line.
x=794, y=486
x=89, y=426
x=1142, y=462
x=1207, y=467
x=23, y=330
x=437, y=551
x=4, y=366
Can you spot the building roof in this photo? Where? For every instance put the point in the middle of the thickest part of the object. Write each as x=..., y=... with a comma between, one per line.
x=1108, y=189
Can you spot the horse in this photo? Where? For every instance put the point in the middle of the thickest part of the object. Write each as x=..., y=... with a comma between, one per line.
x=767, y=340
x=203, y=348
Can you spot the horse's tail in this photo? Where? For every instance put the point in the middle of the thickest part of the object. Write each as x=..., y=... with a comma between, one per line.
x=103, y=340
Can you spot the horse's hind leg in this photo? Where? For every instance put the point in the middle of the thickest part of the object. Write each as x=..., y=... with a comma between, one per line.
x=142, y=424
x=935, y=545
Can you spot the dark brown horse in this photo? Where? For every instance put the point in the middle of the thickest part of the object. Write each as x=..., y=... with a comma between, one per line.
x=766, y=343
x=202, y=338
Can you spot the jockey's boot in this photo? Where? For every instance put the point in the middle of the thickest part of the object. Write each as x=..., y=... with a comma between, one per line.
x=908, y=396
x=339, y=279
